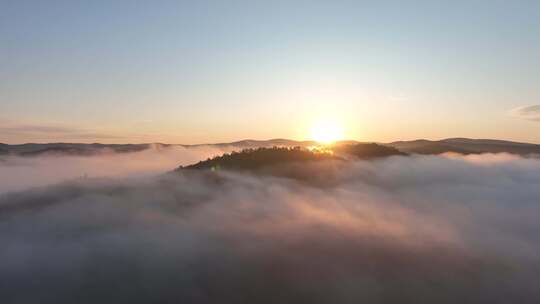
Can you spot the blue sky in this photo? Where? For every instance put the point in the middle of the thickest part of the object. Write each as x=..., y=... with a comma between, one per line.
x=208, y=71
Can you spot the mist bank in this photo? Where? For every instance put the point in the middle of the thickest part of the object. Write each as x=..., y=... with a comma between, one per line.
x=18, y=173
x=417, y=229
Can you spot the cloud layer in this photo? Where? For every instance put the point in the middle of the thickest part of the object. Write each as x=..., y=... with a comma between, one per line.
x=426, y=229
x=18, y=173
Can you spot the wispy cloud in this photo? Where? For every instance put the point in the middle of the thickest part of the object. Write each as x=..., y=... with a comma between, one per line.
x=49, y=131
x=527, y=112
x=37, y=129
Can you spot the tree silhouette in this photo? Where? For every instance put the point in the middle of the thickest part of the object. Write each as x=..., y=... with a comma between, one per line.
x=250, y=159
x=253, y=159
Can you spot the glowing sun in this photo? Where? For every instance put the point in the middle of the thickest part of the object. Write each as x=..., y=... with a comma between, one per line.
x=326, y=132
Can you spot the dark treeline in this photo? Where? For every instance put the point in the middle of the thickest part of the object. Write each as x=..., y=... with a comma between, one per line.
x=367, y=151
x=251, y=159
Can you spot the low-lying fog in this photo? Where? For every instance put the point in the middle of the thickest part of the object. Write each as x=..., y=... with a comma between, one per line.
x=19, y=173
x=419, y=229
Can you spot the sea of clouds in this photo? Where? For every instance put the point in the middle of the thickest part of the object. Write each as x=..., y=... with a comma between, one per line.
x=20, y=173
x=418, y=229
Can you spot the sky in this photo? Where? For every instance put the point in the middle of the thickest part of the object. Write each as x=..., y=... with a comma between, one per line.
x=216, y=71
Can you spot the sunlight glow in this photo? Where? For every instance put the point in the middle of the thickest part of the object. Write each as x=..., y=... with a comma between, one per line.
x=326, y=132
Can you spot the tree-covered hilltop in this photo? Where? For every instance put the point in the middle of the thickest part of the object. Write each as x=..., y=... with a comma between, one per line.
x=367, y=151
x=252, y=159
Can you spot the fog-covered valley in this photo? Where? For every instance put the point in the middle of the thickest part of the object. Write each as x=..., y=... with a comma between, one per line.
x=400, y=229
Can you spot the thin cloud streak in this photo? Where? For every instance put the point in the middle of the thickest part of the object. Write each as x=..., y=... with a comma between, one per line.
x=52, y=132
x=531, y=113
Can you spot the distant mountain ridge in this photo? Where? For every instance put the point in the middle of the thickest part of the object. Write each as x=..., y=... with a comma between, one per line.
x=80, y=149
x=420, y=146
x=276, y=142
x=76, y=149
x=465, y=146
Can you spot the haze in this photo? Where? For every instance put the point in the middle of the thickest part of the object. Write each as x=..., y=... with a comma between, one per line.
x=214, y=71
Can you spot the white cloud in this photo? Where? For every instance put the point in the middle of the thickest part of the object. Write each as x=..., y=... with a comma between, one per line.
x=421, y=229
x=18, y=173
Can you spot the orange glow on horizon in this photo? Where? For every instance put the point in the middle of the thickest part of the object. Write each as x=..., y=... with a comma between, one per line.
x=326, y=132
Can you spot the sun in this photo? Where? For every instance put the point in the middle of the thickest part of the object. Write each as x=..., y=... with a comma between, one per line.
x=326, y=132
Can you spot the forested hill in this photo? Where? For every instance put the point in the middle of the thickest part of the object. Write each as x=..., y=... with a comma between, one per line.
x=253, y=159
